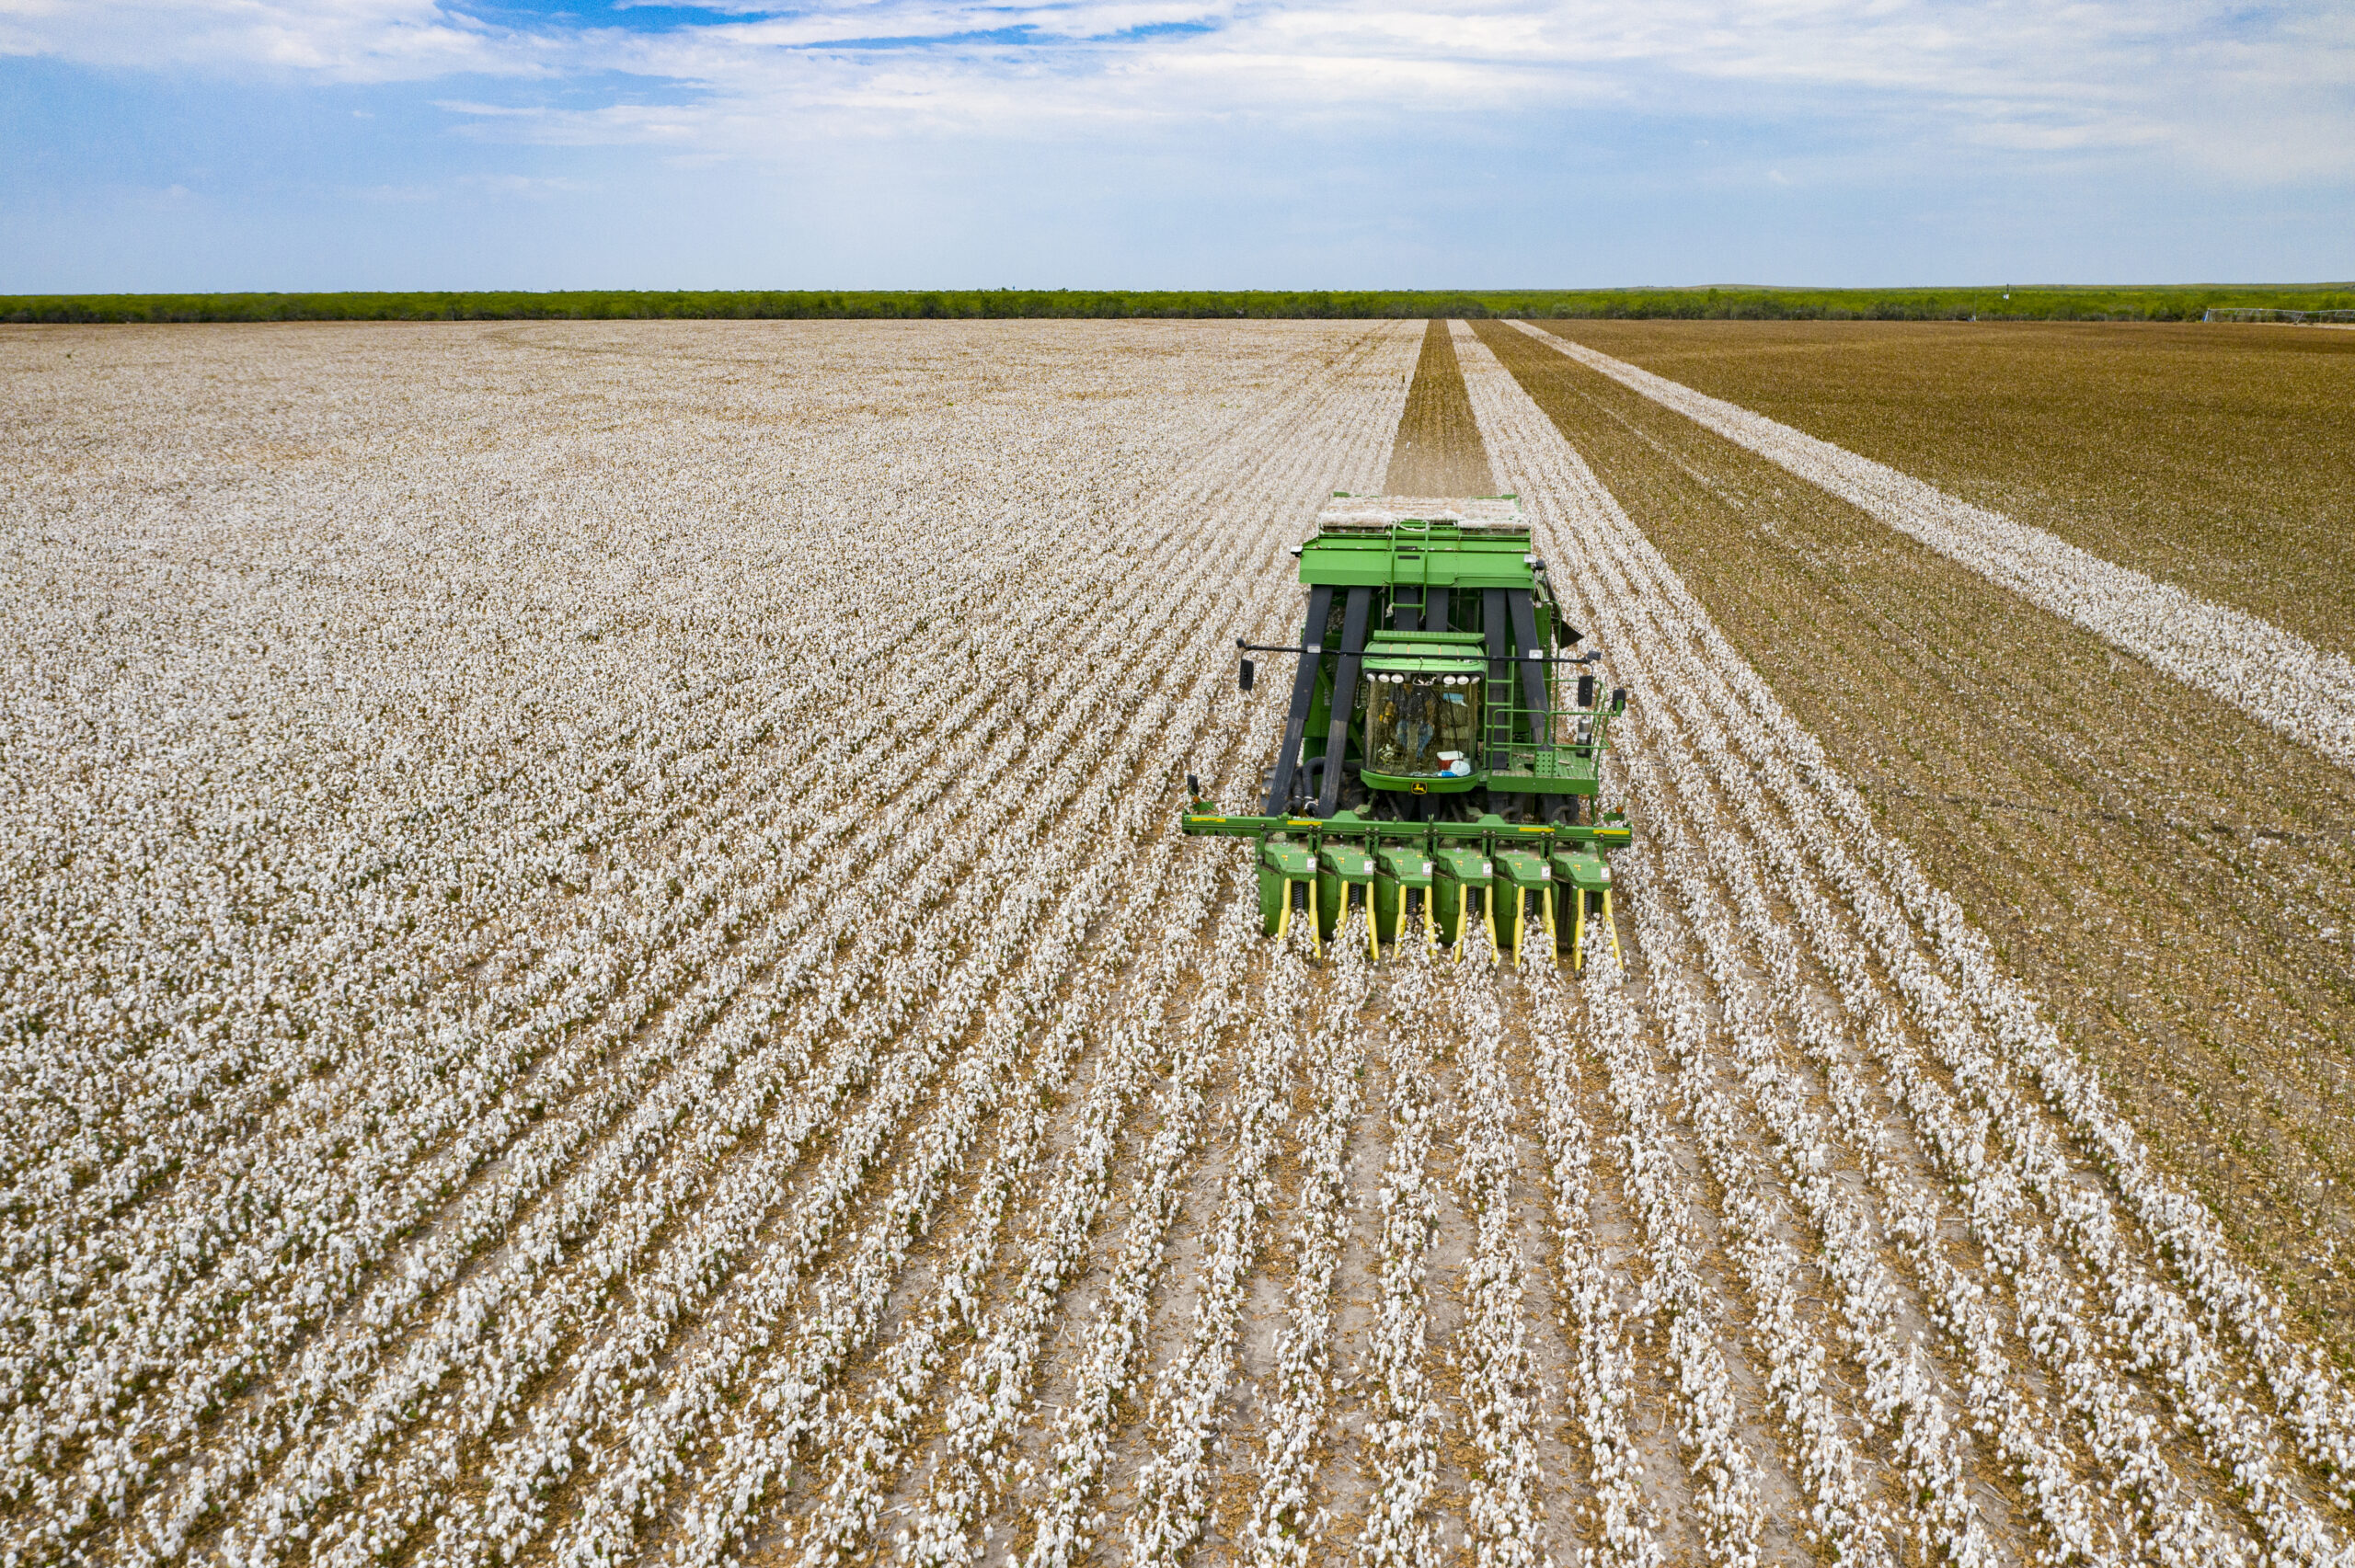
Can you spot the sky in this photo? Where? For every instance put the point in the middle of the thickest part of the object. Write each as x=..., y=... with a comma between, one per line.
x=235, y=144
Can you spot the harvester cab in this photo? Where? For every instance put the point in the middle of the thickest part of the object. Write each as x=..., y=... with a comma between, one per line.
x=1441, y=755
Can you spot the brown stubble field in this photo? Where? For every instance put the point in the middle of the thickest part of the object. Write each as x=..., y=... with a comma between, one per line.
x=2211, y=457
x=2176, y=880
x=1438, y=451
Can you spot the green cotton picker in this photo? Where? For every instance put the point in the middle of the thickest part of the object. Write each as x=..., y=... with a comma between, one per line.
x=1441, y=756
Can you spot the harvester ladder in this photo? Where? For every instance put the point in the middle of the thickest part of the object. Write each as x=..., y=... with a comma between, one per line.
x=1509, y=620
x=1412, y=614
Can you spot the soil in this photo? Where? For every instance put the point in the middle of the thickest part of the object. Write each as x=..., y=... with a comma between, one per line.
x=1438, y=450
x=2177, y=881
x=2210, y=457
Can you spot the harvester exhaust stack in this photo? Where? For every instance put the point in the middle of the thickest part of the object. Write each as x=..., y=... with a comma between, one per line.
x=1434, y=765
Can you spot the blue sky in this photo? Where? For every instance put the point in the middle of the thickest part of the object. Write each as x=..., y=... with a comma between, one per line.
x=200, y=145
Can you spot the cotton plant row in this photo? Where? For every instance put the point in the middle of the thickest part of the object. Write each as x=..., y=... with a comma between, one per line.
x=1286, y=1519
x=1183, y=1415
x=243, y=1284
x=1060, y=820
x=493, y=1374
x=762, y=1456
x=1914, y=1216
x=1902, y=1394
x=849, y=1509
x=994, y=1385
x=164, y=1123
x=702, y=925
x=1625, y=1528
x=1724, y=1474
x=2054, y=1332
x=158, y=1131
x=2050, y=1320
x=1500, y=1386
x=849, y=1313
x=611, y=1381
x=975, y=1470
x=1061, y=1500
x=1070, y=744
x=1118, y=848
x=2198, y=1387
x=662, y=730
x=167, y=1246
x=2274, y=675
x=1403, y=1415
x=238, y=1058
x=749, y=1467
x=784, y=1054
x=1794, y=1353
x=869, y=1445
x=702, y=1008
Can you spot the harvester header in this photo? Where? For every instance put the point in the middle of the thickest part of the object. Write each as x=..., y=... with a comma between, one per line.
x=1441, y=740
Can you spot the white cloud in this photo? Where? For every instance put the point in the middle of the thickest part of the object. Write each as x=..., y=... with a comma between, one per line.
x=343, y=39
x=2225, y=88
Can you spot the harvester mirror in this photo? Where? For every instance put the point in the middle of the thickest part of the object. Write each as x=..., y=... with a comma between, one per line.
x=1249, y=673
x=1618, y=700
x=1586, y=691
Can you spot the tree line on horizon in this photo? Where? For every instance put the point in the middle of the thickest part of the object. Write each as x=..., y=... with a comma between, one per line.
x=2036, y=302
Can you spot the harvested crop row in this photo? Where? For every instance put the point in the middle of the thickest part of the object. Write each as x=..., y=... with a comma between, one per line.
x=2277, y=677
x=1438, y=449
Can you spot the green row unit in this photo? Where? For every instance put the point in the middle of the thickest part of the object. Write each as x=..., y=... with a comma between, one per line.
x=1426, y=881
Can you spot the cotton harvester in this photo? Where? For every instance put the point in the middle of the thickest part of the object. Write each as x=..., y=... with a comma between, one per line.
x=1434, y=768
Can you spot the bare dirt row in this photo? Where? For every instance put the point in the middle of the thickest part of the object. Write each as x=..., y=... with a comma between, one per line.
x=1438, y=451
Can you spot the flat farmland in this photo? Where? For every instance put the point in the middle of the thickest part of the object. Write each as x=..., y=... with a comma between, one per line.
x=596, y=969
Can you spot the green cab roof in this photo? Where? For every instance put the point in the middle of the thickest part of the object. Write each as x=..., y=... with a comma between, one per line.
x=1434, y=653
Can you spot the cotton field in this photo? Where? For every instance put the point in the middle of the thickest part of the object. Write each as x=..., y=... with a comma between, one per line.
x=597, y=970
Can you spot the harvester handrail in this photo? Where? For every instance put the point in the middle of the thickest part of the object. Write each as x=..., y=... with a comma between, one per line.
x=1501, y=714
x=1348, y=824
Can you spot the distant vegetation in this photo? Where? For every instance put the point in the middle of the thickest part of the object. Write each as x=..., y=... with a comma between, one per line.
x=2034, y=303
